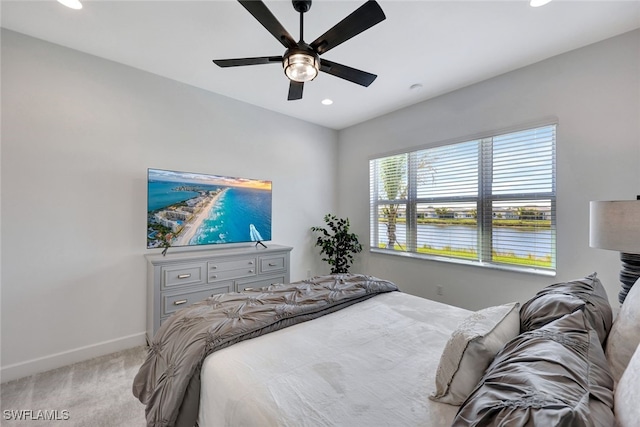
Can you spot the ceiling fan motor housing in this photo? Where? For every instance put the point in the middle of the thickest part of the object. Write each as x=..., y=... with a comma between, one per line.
x=301, y=6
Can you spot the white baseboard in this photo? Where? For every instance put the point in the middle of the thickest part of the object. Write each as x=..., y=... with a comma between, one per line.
x=46, y=363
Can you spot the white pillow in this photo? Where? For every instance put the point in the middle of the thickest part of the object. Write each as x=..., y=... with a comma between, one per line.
x=627, y=393
x=624, y=336
x=470, y=350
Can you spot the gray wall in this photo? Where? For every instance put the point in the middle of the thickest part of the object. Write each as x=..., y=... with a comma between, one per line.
x=78, y=134
x=594, y=92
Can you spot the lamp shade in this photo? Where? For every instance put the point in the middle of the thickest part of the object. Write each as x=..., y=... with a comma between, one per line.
x=615, y=225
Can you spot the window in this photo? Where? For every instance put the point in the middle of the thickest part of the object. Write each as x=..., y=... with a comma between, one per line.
x=490, y=201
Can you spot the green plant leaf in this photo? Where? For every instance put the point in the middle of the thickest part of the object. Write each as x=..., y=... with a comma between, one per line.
x=337, y=244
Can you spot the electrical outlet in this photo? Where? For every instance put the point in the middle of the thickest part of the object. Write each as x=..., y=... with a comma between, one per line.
x=439, y=289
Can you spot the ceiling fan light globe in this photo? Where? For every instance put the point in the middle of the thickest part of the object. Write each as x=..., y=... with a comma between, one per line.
x=301, y=67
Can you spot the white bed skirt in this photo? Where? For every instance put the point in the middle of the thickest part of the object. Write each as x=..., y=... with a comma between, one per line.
x=370, y=364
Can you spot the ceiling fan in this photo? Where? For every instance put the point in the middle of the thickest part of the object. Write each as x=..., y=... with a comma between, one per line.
x=301, y=61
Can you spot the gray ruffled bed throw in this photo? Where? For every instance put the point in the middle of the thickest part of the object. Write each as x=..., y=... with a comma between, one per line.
x=168, y=382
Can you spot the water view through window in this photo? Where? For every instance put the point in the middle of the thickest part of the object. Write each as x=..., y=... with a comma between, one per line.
x=490, y=201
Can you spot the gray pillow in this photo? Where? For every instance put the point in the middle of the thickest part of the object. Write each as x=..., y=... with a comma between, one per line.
x=559, y=299
x=556, y=375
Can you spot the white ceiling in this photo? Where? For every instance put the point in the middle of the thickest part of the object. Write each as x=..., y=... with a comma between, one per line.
x=442, y=45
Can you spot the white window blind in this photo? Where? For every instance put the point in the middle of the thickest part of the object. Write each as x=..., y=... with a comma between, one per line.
x=489, y=201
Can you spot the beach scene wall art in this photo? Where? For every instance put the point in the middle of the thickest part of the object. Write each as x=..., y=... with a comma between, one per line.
x=191, y=209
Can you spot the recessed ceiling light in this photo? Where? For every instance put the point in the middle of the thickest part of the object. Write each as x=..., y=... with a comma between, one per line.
x=538, y=3
x=327, y=101
x=73, y=4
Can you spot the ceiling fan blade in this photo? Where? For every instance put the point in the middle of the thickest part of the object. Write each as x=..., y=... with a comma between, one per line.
x=238, y=62
x=260, y=11
x=363, y=18
x=295, y=90
x=356, y=76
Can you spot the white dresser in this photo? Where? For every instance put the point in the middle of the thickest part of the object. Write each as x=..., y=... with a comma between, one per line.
x=179, y=279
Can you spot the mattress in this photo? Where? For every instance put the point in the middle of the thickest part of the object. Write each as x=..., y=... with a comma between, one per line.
x=370, y=364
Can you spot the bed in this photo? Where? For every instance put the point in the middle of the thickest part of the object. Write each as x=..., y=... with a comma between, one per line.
x=369, y=364
x=366, y=354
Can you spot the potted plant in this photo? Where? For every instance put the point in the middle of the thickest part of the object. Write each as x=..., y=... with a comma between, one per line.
x=337, y=244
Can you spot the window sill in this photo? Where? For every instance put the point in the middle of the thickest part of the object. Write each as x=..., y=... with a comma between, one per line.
x=516, y=269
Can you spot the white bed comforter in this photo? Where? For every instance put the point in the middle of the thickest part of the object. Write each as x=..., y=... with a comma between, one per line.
x=370, y=364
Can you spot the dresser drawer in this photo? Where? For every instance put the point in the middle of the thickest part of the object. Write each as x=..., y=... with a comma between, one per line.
x=184, y=274
x=216, y=276
x=175, y=301
x=241, y=285
x=216, y=266
x=272, y=264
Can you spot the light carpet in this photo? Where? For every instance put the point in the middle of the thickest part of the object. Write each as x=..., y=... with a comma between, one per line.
x=96, y=392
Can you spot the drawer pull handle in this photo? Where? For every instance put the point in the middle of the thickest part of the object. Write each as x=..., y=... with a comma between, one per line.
x=213, y=267
x=184, y=276
x=250, y=262
x=250, y=271
x=272, y=264
x=214, y=276
x=180, y=302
